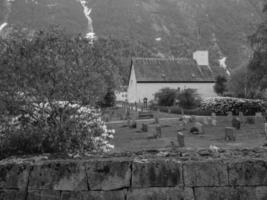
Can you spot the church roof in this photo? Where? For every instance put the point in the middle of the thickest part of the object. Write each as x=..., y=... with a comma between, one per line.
x=173, y=70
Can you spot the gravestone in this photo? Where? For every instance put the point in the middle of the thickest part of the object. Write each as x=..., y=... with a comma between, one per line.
x=259, y=118
x=129, y=122
x=236, y=123
x=230, y=116
x=209, y=120
x=199, y=126
x=241, y=117
x=133, y=124
x=192, y=119
x=250, y=120
x=205, y=120
x=144, y=127
x=158, y=131
x=180, y=139
x=229, y=134
x=156, y=119
x=213, y=119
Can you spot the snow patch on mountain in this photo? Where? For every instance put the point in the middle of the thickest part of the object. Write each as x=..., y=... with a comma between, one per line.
x=8, y=5
x=87, y=11
x=2, y=26
x=222, y=62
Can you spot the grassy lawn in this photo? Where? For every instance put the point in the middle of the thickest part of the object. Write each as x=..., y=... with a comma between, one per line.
x=133, y=140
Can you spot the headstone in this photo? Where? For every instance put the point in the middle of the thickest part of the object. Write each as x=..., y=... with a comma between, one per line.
x=133, y=124
x=192, y=119
x=241, y=117
x=205, y=120
x=250, y=120
x=236, y=123
x=209, y=120
x=230, y=116
x=156, y=119
x=169, y=110
x=158, y=131
x=229, y=134
x=180, y=139
x=259, y=118
x=213, y=119
x=200, y=128
x=129, y=122
x=182, y=111
x=144, y=127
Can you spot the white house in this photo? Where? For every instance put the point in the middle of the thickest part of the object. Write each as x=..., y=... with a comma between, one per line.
x=149, y=75
x=121, y=94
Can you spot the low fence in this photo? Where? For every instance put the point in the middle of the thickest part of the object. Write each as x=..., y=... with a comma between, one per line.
x=135, y=178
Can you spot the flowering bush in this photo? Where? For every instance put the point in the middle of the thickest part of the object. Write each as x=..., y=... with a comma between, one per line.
x=222, y=105
x=57, y=127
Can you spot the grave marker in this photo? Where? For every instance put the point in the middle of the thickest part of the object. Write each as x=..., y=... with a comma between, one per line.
x=213, y=119
x=229, y=134
x=259, y=118
x=236, y=123
x=230, y=116
x=158, y=131
x=205, y=120
x=199, y=126
x=180, y=139
x=241, y=117
x=144, y=127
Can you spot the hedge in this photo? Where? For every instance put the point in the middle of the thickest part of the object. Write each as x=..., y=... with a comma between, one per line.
x=223, y=105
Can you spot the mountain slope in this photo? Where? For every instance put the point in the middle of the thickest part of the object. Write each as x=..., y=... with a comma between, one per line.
x=168, y=27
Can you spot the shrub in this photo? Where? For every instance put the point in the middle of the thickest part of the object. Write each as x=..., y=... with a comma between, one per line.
x=223, y=105
x=189, y=99
x=166, y=97
x=109, y=99
x=220, y=85
x=58, y=127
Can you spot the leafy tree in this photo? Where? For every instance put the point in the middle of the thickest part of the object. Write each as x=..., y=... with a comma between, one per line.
x=109, y=99
x=258, y=64
x=55, y=66
x=188, y=99
x=220, y=85
x=45, y=79
x=166, y=96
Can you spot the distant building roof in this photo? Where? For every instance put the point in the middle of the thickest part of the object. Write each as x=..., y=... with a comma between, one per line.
x=173, y=70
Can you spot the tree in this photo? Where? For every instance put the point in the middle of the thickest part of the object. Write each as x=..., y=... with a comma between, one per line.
x=188, y=99
x=166, y=96
x=109, y=99
x=46, y=79
x=258, y=64
x=55, y=66
x=220, y=85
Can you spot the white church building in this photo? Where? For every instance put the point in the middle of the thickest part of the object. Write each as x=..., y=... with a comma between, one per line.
x=149, y=75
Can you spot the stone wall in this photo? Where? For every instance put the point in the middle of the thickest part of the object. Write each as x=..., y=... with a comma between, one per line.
x=134, y=178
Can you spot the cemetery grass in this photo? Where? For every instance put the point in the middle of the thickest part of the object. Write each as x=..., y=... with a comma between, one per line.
x=134, y=140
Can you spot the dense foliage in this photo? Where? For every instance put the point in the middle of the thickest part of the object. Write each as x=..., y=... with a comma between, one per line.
x=258, y=63
x=220, y=86
x=37, y=72
x=166, y=97
x=223, y=105
x=188, y=99
x=60, y=127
